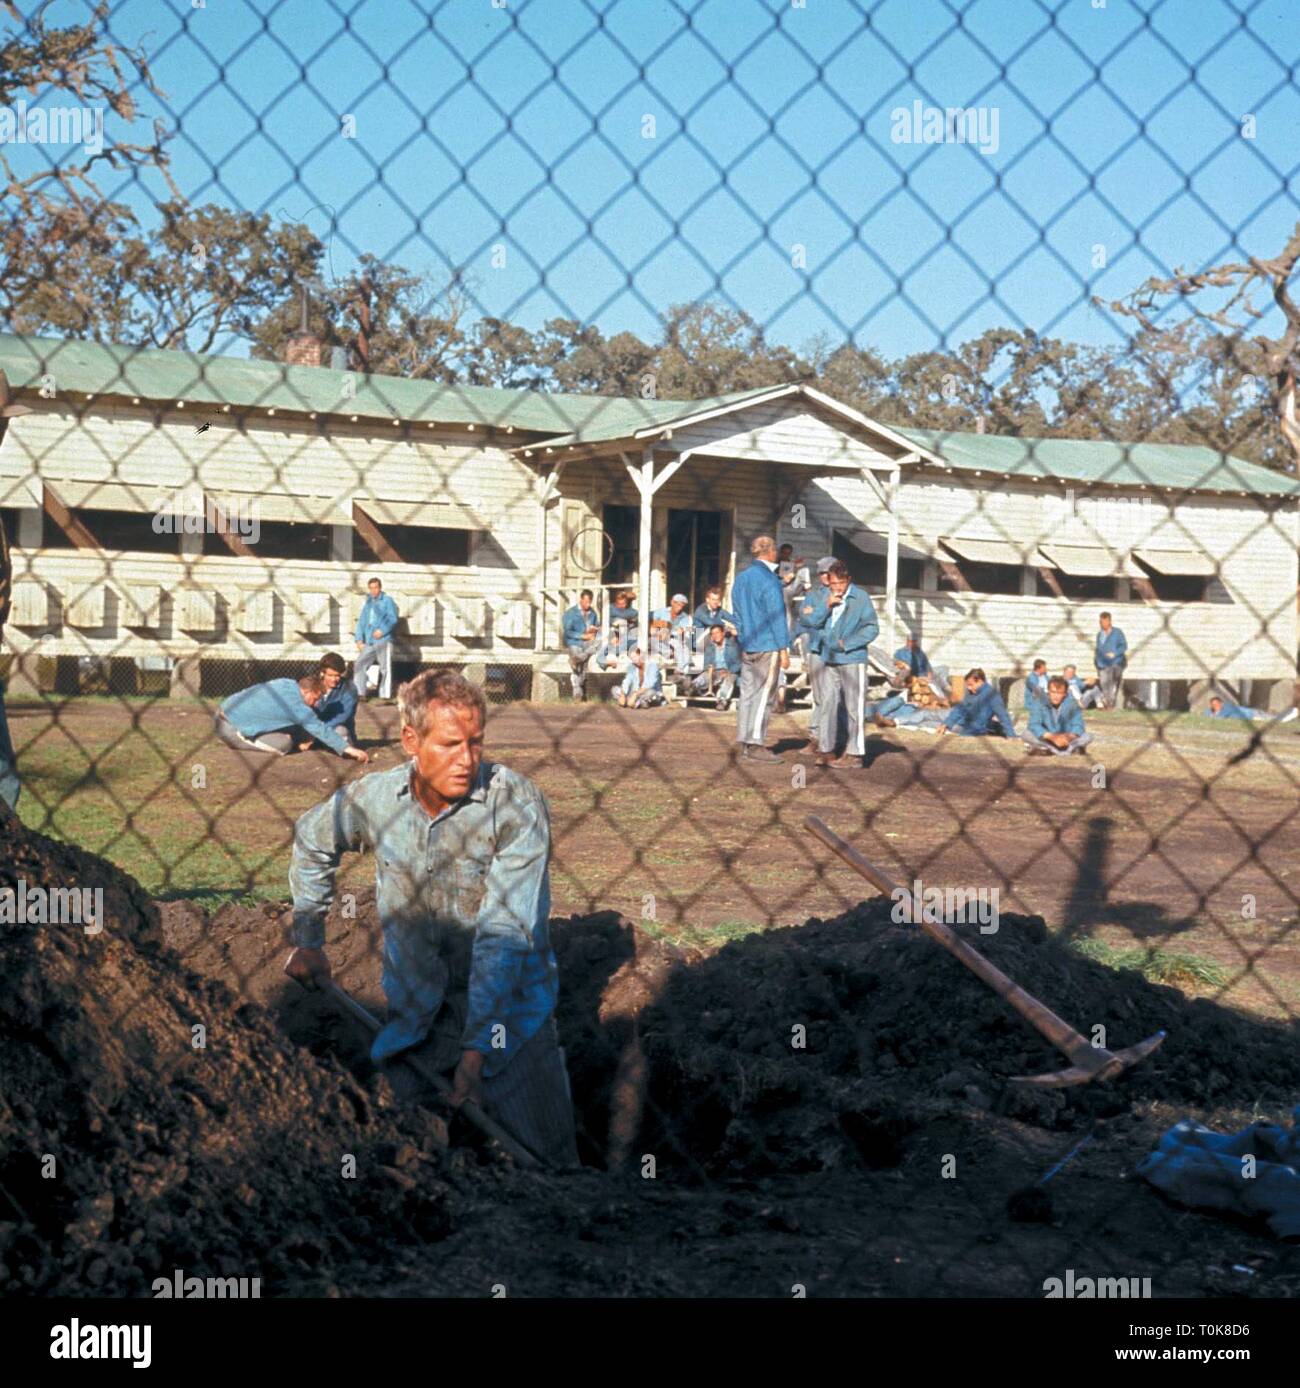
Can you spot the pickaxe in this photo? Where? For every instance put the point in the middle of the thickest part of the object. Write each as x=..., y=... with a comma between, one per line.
x=1088, y=1062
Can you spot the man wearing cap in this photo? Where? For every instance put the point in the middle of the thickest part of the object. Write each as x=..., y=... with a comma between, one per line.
x=821, y=678
x=758, y=599
x=848, y=624
x=674, y=624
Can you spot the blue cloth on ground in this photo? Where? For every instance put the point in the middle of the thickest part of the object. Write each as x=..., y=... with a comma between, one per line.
x=1198, y=1167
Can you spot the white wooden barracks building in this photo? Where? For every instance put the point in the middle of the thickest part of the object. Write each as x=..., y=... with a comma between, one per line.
x=485, y=511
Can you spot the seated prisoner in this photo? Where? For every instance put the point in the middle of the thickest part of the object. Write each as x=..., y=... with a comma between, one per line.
x=581, y=639
x=279, y=716
x=643, y=685
x=721, y=675
x=462, y=850
x=981, y=713
x=1056, y=723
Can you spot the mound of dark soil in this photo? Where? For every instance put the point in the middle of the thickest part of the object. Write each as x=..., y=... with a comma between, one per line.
x=808, y=1048
x=127, y=1150
x=798, y=1049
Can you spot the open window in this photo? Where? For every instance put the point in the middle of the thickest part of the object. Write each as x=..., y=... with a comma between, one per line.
x=1177, y=575
x=865, y=553
x=102, y=516
x=1081, y=573
x=413, y=532
x=981, y=566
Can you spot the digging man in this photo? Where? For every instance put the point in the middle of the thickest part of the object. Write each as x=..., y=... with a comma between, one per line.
x=462, y=850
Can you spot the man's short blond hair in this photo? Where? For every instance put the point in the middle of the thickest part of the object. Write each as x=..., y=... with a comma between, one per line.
x=311, y=684
x=762, y=543
x=436, y=687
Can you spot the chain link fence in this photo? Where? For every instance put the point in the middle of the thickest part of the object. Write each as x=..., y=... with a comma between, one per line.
x=501, y=304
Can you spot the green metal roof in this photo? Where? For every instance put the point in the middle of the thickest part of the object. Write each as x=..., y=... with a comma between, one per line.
x=206, y=378
x=1169, y=466
x=565, y=420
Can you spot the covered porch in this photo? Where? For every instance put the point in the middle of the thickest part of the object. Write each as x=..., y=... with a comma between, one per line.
x=673, y=508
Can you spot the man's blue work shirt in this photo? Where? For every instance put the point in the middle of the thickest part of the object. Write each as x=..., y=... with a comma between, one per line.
x=706, y=616
x=377, y=614
x=337, y=707
x=1111, y=649
x=916, y=661
x=576, y=621
x=464, y=901
x=1230, y=710
x=273, y=706
x=1065, y=717
x=982, y=714
x=723, y=657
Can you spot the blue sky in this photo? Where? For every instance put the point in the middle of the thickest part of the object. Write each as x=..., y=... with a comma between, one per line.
x=524, y=127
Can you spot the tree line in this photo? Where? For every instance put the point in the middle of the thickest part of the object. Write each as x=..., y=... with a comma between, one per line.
x=1194, y=369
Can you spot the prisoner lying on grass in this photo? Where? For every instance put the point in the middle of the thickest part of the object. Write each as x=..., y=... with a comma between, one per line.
x=462, y=852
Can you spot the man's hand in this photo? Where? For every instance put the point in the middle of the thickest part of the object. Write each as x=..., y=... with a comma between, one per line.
x=305, y=746
x=591, y=633
x=785, y=660
x=467, y=1082
x=834, y=598
x=1058, y=739
x=360, y=645
x=308, y=967
x=356, y=754
x=377, y=634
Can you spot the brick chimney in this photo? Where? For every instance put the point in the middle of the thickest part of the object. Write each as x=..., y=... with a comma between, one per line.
x=304, y=348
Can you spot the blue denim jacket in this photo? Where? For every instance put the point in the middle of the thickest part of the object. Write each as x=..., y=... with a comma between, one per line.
x=576, y=621
x=982, y=714
x=273, y=706
x=1066, y=717
x=337, y=708
x=377, y=614
x=464, y=901
x=1111, y=649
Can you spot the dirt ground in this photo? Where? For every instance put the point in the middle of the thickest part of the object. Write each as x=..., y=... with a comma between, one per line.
x=1180, y=849
x=772, y=1166
x=875, y=1158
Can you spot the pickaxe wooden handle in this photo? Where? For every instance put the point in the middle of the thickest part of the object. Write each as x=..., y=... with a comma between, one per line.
x=1088, y=1062
x=469, y=1108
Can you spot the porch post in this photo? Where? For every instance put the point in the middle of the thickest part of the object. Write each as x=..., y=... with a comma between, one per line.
x=645, y=485
x=891, y=566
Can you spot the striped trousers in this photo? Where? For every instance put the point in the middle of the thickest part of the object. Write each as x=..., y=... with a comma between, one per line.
x=759, y=686
x=827, y=720
x=850, y=698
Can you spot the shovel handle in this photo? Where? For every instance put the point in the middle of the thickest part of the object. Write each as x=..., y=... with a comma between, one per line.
x=1039, y=1016
x=488, y=1126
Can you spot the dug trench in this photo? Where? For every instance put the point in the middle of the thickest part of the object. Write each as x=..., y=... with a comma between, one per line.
x=823, y=1106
